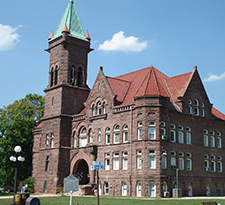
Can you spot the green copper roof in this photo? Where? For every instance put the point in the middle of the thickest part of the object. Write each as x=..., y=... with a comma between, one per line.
x=71, y=20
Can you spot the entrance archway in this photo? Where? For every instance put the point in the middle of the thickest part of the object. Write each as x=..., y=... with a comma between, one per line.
x=81, y=171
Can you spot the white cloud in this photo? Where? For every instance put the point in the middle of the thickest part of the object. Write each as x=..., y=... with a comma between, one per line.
x=121, y=43
x=212, y=77
x=8, y=37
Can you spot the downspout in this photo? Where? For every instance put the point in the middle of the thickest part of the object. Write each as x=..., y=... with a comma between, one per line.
x=131, y=128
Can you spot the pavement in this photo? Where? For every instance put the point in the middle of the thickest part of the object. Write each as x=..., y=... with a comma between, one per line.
x=138, y=198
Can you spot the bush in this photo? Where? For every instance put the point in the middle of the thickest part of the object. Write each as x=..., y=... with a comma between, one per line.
x=30, y=183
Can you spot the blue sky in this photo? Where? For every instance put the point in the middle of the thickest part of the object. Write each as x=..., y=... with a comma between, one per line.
x=171, y=35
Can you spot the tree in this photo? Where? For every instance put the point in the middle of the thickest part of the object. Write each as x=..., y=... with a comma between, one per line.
x=17, y=121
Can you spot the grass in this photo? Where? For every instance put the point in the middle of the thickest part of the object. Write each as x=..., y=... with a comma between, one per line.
x=109, y=200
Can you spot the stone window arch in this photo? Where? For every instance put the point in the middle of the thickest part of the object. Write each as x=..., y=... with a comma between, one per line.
x=99, y=108
x=104, y=107
x=56, y=75
x=116, y=134
x=107, y=135
x=83, y=137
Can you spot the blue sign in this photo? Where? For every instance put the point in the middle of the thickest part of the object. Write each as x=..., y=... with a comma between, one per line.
x=97, y=163
x=97, y=167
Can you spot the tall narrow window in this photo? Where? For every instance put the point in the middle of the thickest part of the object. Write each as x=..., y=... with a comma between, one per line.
x=104, y=107
x=116, y=161
x=52, y=140
x=47, y=141
x=99, y=108
x=151, y=189
x=107, y=135
x=206, y=141
x=90, y=136
x=80, y=77
x=219, y=142
x=51, y=77
x=75, y=139
x=138, y=189
x=73, y=76
x=180, y=137
x=83, y=137
x=151, y=159
x=139, y=130
x=106, y=188
x=151, y=130
x=125, y=133
x=47, y=163
x=116, y=134
x=124, y=189
x=56, y=75
x=99, y=134
x=139, y=159
x=93, y=110
x=212, y=141
x=107, y=161
x=125, y=161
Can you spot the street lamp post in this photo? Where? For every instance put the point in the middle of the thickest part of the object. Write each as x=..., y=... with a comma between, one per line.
x=16, y=158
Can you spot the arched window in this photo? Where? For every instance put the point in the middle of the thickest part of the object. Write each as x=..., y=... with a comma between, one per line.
x=107, y=135
x=47, y=141
x=52, y=140
x=74, y=139
x=99, y=108
x=93, y=110
x=196, y=102
x=189, y=102
x=73, y=76
x=116, y=134
x=104, y=107
x=83, y=137
x=125, y=133
x=56, y=75
x=91, y=136
x=80, y=77
x=52, y=77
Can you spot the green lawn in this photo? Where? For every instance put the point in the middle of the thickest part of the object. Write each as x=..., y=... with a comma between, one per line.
x=107, y=200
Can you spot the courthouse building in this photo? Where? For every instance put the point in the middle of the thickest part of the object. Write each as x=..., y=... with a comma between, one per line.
x=145, y=127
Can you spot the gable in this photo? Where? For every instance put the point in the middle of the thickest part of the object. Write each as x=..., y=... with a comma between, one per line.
x=101, y=91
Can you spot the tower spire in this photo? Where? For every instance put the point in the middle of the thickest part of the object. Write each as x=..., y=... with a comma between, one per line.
x=71, y=19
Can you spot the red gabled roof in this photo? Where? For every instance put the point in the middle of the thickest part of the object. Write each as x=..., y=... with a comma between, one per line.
x=147, y=81
x=119, y=88
x=152, y=85
x=178, y=85
x=217, y=114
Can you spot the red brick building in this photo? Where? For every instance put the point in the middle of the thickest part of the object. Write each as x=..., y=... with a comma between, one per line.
x=145, y=127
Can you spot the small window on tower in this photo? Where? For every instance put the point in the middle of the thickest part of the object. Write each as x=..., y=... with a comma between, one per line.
x=73, y=76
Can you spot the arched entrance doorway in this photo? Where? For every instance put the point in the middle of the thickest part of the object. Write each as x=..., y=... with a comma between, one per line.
x=81, y=171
